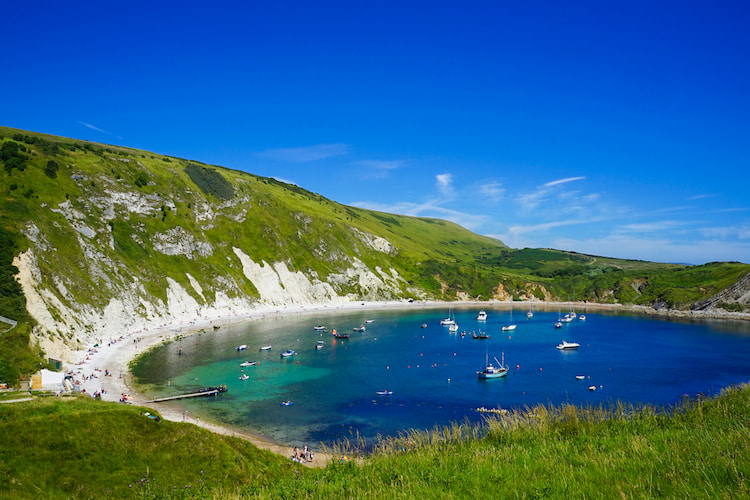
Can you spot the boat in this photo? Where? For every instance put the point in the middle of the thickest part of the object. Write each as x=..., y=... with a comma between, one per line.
x=248, y=363
x=449, y=320
x=241, y=347
x=266, y=347
x=481, y=336
x=565, y=345
x=491, y=371
x=340, y=335
x=360, y=328
x=369, y=321
x=320, y=345
x=244, y=376
x=286, y=403
x=530, y=312
x=582, y=317
x=569, y=316
x=453, y=327
x=580, y=377
x=498, y=411
x=592, y=387
x=510, y=326
x=482, y=316
x=572, y=313
x=385, y=393
x=319, y=328
x=424, y=325
x=561, y=319
x=288, y=353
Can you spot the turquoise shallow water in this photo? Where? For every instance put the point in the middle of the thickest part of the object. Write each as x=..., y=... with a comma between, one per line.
x=432, y=372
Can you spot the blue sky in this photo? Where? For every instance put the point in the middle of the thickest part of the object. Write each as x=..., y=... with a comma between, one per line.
x=609, y=128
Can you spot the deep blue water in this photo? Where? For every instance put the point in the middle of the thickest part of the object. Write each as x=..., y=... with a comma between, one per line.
x=432, y=372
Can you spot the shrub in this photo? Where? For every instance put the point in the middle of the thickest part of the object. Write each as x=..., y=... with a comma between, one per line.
x=141, y=179
x=210, y=181
x=51, y=169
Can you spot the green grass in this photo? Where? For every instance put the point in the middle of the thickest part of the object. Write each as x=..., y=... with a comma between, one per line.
x=80, y=448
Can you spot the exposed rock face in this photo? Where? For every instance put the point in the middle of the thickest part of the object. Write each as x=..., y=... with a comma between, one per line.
x=66, y=324
x=177, y=241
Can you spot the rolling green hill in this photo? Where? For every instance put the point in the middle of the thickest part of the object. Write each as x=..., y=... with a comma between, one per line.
x=97, y=239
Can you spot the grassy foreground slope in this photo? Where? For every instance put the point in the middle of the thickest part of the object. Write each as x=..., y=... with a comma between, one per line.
x=87, y=449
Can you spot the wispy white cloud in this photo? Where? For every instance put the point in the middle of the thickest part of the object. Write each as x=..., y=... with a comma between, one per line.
x=444, y=183
x=701, y=196
x=305, y=154
x=548, y=191
x=92, y=127
x=492, y=190
x=379, y=169
x=430, y=208
x=563, y=181
x=726, y=232
x=667, y=210
x=666, y=248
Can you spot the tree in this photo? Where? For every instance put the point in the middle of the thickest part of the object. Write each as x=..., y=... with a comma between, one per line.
x=51, y=169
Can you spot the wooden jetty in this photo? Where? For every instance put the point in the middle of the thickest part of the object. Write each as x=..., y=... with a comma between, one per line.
x=210, y=391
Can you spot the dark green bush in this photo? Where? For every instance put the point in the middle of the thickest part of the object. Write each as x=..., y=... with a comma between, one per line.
x=210, y=181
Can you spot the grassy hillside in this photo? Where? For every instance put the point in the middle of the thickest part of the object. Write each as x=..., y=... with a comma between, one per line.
x=700, y=449
x=108, y=228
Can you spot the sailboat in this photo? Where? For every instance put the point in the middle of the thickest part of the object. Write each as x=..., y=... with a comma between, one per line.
x=510, y=326
x=530, y=313
x=450, y=320
x=558, y=323
x=491, y=371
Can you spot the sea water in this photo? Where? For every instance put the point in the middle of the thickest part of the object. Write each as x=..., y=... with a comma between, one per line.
x=432, y=372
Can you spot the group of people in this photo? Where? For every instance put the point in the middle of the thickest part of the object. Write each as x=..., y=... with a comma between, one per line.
x=303, y=455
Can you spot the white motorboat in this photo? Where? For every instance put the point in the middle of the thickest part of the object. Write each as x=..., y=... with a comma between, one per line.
x=565, y=345
x=241, y=347
x=482, y=316
x=248, y=363
x=453, y=327
x=244, y=376
x=288, y=353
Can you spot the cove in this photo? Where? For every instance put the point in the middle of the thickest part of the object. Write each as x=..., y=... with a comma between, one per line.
x=432, y=372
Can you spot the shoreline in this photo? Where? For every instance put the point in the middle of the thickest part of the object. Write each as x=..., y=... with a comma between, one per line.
x=104, y=368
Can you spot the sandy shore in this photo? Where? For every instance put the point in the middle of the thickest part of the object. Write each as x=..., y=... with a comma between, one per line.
x=104, y=368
